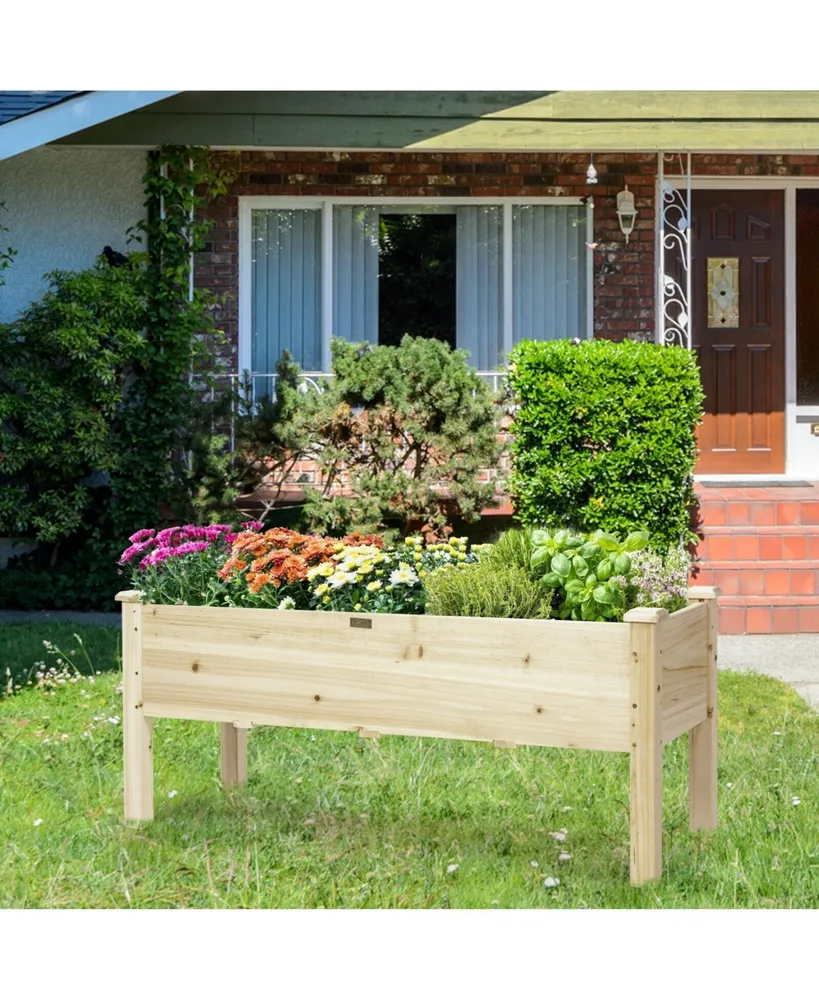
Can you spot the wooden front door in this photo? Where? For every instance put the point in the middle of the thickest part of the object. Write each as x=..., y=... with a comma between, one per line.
x=738, y=293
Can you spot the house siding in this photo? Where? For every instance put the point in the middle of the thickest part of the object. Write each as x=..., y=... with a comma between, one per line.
x=62, y=207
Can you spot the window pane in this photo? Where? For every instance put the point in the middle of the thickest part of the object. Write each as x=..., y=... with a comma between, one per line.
x=286, y=288
x=480, y=285
x=549, y=262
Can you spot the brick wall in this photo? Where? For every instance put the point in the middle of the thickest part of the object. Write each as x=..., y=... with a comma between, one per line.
x=624, y=274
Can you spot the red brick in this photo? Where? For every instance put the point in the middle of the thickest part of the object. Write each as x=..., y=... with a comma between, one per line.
x=810, y=513
x=785, y=620
x=739, y=513
x=728, y=580
x=809, y=619
x=813, y=546
x=732, y=621
x=770, y=547
x=758, y=621
x=713, y=514
x=763, y=514
x=747, y=547
x=803, y=582
x=788, y=512
x=718, y=547
x=778, y=582
x=794, y=547
x=752, y=582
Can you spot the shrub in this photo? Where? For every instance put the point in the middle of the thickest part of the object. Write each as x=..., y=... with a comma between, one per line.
x=604, y=436
x=406, y=431
x=487, y=589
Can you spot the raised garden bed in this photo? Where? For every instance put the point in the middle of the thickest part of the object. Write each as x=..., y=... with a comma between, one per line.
x=628, y=686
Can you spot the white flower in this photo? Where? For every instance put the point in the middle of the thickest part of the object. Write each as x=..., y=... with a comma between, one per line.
x=797, y=801
x=730, y=784
x=403, y=575
x=564, y=856
x=777, y=733
x=533, y=864
x=313, y=572
x=173, y=792
x=550, y=883
x=341, y=579
x=286, y=604
x=37, y=822
x=451, y=869
x=561, y=835
x=114, y=720
x=566, y=809
x=375, y=585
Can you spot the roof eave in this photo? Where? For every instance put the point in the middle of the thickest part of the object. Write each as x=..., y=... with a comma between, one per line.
x=72, y=115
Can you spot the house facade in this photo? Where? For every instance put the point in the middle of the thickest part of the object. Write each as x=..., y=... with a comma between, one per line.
x=685, y=218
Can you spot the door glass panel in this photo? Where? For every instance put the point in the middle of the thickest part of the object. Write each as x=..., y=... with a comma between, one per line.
x=723, y=292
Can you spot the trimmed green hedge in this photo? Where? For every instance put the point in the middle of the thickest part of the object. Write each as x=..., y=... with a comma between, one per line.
x=604, y=436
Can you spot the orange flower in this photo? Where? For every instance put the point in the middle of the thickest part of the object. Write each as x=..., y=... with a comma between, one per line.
x=259, y=581
x=356, y=538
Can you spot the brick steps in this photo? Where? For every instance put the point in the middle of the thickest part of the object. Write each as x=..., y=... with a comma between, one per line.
x=761, y=547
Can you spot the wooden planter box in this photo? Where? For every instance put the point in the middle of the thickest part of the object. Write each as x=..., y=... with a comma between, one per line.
x=629, y=687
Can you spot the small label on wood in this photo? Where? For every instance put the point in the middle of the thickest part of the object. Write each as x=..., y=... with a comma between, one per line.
x=361, y=623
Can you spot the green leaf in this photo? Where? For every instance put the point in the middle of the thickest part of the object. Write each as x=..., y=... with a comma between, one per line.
x=561, y=565
x=608, y=542
x=604, y=570
x=635, y=541
x=622, y=564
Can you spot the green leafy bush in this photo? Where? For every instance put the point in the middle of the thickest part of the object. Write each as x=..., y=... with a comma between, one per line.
x=604, y=436
x=487, y=589
x=589, y=573
x=406, y=431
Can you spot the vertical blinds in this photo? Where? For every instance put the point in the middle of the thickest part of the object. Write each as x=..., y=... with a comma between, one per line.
x=479, y=270
x=548, y=280
x=286, y=288
x=549, y=261
x=355, y=273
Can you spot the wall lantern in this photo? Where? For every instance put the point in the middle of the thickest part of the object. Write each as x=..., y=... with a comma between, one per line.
x=626, y=212
x=591, y=173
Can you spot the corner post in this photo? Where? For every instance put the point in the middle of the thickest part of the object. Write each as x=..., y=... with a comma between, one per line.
x=646, y=809
x=136, y=726
x=702, y=739
x=233, y=740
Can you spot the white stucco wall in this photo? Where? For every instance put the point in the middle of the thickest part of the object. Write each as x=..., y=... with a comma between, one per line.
x=63, y=206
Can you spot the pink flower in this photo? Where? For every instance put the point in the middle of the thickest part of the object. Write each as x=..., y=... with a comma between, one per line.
x=252, y=526
x=135, y=550
x=189, y=547
x=142, y=535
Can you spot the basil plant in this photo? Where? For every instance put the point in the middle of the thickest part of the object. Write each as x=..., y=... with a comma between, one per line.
x=589, y=573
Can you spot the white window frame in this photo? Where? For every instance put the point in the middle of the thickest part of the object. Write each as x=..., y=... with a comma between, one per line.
x=247, y=204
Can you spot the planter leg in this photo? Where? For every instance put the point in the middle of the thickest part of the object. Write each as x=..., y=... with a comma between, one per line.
x=234, y=754
x=646, y=810
x=136, y=727
x=702, y=745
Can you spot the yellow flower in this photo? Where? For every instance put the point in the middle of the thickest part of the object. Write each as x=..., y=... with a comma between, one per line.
x=418, y=557
x=366, y=567
x=359, y=577
x=322, y=589
x=375, y=585
x=461, y=556
x=327, y=569
x=357, y=607
x=325, y=600
x=403, y=565
x=422, y=573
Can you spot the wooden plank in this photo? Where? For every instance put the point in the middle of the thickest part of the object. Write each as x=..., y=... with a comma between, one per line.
x=437, y=134
x=233, y=742
x=702, y=746
x=682, y=638
x=136, y=726
x=646, y=811
x=684, y=700
x=526, y=682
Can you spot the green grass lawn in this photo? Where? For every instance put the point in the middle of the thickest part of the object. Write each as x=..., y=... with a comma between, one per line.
x=330, y=820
